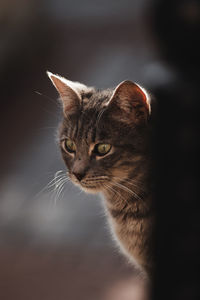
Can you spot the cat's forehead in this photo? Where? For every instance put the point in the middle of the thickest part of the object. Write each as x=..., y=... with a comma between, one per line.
x=86, y=122
x=92, y=122
x=95, y=100
x=88, y=126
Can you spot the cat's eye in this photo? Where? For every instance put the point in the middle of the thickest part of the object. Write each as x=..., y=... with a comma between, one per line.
x=102, y=149
x=69, y=146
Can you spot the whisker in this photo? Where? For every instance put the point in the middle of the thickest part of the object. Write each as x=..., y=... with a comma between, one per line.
x=123, y=187
x=51, y=182
x=52, y=114
x=59, y=190
x=133, y=183
x=57, y=184
x=100, y=115
x=49, y=98
x=114, y=191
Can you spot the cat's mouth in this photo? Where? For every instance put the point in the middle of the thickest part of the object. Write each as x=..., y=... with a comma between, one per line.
x=92, y=185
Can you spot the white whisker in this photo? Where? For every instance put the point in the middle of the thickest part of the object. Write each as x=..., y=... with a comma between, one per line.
x=133, y=182
x=59, y=190
x=54, y=185
x=100, y=115
x=115, y=192
x=126, y=189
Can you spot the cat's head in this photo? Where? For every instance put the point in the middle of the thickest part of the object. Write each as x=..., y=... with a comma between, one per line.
x=103, y=133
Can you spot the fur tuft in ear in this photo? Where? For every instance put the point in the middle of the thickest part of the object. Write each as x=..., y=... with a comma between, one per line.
x=131, y=101
x=70, y=92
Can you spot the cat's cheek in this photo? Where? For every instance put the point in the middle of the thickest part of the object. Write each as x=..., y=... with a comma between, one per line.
x=68, y=159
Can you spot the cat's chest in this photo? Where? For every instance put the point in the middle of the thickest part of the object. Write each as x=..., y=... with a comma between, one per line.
x=131, y=229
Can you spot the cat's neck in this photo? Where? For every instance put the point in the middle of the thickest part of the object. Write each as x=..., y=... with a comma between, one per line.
x=127, y=196
x=131, y=217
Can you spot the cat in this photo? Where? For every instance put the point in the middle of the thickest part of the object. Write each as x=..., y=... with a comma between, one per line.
x=105, y=143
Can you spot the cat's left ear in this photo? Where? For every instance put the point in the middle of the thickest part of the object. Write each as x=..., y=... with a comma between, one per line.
x=70, y=92
x=132, y=101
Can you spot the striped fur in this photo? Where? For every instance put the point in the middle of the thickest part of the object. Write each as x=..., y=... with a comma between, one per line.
x=120, y=118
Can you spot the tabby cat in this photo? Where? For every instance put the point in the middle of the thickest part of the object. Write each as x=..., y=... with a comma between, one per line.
x=105, y=143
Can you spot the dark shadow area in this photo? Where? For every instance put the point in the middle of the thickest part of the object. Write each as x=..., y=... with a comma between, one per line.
x=177, y=24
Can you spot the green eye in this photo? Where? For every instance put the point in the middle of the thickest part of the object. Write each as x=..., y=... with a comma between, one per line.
x=102, y=149
x=69, y=145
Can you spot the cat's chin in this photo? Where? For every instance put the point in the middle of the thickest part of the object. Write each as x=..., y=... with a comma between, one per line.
x=90, y=190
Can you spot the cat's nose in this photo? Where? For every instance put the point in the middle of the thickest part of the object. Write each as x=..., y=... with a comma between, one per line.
x=79, y=175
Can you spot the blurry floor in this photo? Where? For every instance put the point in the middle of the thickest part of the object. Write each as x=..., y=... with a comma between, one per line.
x=65, y=274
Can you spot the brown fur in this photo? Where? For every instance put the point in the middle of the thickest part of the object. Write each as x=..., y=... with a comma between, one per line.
x=121, y=118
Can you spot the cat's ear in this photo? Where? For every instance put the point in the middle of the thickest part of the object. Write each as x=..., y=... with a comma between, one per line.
x=131, y=101
x=70, y=92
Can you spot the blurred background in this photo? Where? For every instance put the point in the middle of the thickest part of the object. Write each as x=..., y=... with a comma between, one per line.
x=63, y=249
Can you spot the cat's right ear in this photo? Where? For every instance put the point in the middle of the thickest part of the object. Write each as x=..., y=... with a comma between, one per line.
x=69, y=91
x=130, y=102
